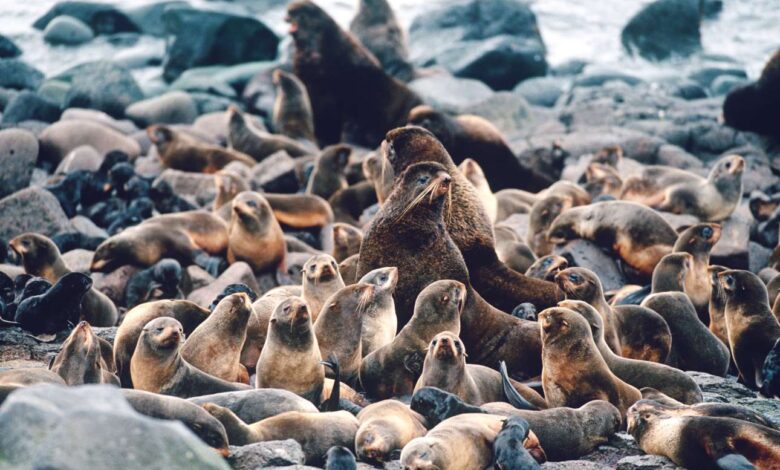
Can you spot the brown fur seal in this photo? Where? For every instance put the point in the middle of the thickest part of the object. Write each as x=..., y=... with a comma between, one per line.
x=392, y=370
x=29, y=376
x=80, y=361
x=630, y=331
x=385, y=428
x=379, y=321
x=409, y=233
x=316, y=432
x=258, y=403
x=292, y=114
x=321, y=279
x=41, y=257
x=469, y=136
x=346, y=241
x=328, y=174
x=348, y=269
x=547, y=267
x=513, y=201
x=511, y=250
x=467, y=224
x=180, y=151
x=702, y=442
x=339, y=327
x=378, y=172
x=300, y=211
x=350, y=93
x=602, y=179
x=349, y=203
x=157, y=365
x=551, y=203
x=445, y=368
x=698, y=240
x=694, y=347
x=637, y=234
x=717, y=307
x=228, y=185
x=376, y=27
x=257, y=144
x=671, y=274
x=182, y=236
x=473, y=172
x=573, y=371
x=215, y=345
x=291, y=357
x=752, y=329
x=189, y=314
x=677, y=191
x=673, y=407
x=671, y=381
x=254, y=235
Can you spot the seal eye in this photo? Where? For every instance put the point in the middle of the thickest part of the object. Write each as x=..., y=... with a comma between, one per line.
x=433, y=343
x=159, y=330
x=287, y=309
x=706, y=232
x=251, y=203
x=423, y=179
x=383, y=278
x=547, y=262
x=574, y=278
x=26, y=243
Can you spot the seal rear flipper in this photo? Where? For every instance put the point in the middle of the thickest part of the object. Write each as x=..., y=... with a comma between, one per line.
x=347, y=405
x=734, y=462
x=636, y=297
x=333, y=403
x=513, y=396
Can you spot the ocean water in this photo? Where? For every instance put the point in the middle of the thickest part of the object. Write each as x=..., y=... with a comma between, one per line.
x=745, y=33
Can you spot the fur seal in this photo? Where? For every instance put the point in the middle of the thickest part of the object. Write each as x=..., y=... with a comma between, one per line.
x=351, y=95
x=254, y=235
x=257, y=404
x=694, y=347
x=180, y=151
x=602, y=179
x=393, y=369
x=215, y=345
x=547, y=267
x=379, y=321
x=350, y=203
x=157, y=365
x=255, y=143
x=29, y=376
x=671, y=274
x=473, y=172
x=551, y=203
x=698, y=240
x=445, y=368
x=717, y=307
x=228, y=184
x=703, y=442
x=770, y=372
x=328, y=175
x=508, y=450
x=158, y=282
x=671, y=406
x=300, y=211
x=41, y=257
x=671, y=381
x=291, y=345
x=467, y=135
x=321, y=279
x=385, y=428
x=377, y=28
x=379, y=173
x=511, y=250
x=753, y=107
x=339, y=458
x=52, y=311
x=316, y=432
x=636, y=233
x=292, y=114
x=752, y=329
x=466, y=223
x=187, y=313
x=348, y=269
x=573, y=371
x=81, y=359
x=346, y=241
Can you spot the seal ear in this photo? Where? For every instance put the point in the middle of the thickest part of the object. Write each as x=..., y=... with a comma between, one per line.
x=160, y=134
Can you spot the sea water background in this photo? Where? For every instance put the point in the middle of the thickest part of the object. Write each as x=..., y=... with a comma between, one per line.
x=746, y=32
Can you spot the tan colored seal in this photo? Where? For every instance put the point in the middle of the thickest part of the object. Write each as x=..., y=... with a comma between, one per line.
x=321, y=279
x=292, y=114
x=385, y=428
x=81, y=359
x=180, y=151
x=254, y=235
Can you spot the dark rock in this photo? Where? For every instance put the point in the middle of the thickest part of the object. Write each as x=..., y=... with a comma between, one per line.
x=725, y=84
x=206, y=103
x=31, y=210
x=585, y=254
x=275, y=174
x=687, y=90
x=18, y=154
x=113, y=284
x=646, y=462
x=707, y=75
x=758, y=257
x=542, y=91
x=6, y=95
x=30, y=106
x=210, y=38
x=18, y=344
x=185, y=183
x=266, y=454
x=572, y=465
x=448, y=93
x=17, y=74
x=67, y=30
x=663, y=29
x=176, y=107
x=101, y=17
x=103, y=86
x=726, y=387
x=8, y=49
x=149, y=18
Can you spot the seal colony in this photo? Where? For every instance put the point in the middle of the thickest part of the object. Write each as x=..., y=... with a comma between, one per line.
x=382, y=280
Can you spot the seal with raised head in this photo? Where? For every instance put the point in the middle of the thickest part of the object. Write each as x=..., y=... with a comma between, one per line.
x=377, y=28
x=671, y=381
x=473, y=172
x=379, y=321
x=328, y=175
x=346, y=241
x=385, y=428
x=321, y=279
x=698, y=240
x=547, y=267
x=81, y=359
x=256, y=143
x=671, y=274
x=292, y=114
x=717, y=307
x=52, y=311
x=254, y=235
x=753, y=107
x=157, y=365
x=180, y=151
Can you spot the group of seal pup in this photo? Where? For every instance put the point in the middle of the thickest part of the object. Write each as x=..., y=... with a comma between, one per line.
x=397, y=342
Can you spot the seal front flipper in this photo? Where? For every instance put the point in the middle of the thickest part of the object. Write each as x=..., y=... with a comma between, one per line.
x=414, y=362
x=214, y=265
x=332, y=403
x=512, y=396
x=734, y=462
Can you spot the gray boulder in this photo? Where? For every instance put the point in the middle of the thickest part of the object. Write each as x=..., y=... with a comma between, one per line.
x=185, y=183
x=266, y=454
x=19, y=75
x=30, y=106
x=275, y=174
x=448, y=93
x=18, y=154
x=102, y=18
x=81, y=158
x=542, y=91
x=663, y=29
x=31, y=210
x=101, y=85
x=62, y=137
x=150, y=17
x=176, y=107
x=8, y=49
x=237, y=273
x=67, y=30
x=646, y=462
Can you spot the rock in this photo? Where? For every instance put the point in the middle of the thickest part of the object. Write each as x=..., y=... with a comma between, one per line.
x=451, y=94
x=572, y=465
x=17, y=344
x=266, y=454
x=78, y=260
x=84, y=157
x=201, y=79
x=8, y=49
x=238, y=272
x=646, y=462
x=185, y=183
x=176, y=107
x=149, y=167
x=18, y=154
x=585, y=254
x=207, y=103
x=200, y=38
x=87, y=227
x=67, y=30
x=569, y=68
x=707, y=75
x=496, y=41
x=726, y=387
x=62, y=137
x=123, y=126
x=150, y=17
x=275, y=174
x=732, y=248
x=724, y=84
x=31, y=210
x=30, y=106
x=66, y=427
x=17, y=74
x=113, y=284
x=597, y=79
x=758, y=257
x=687, y=90
x=102, y=18
x=766, y=406
x=663, y=29
x=542, y=91
x=138, y=58
x=508, y=111
x=54, y=91
x=215, y=124
x=101, y=85
x=198, y=276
